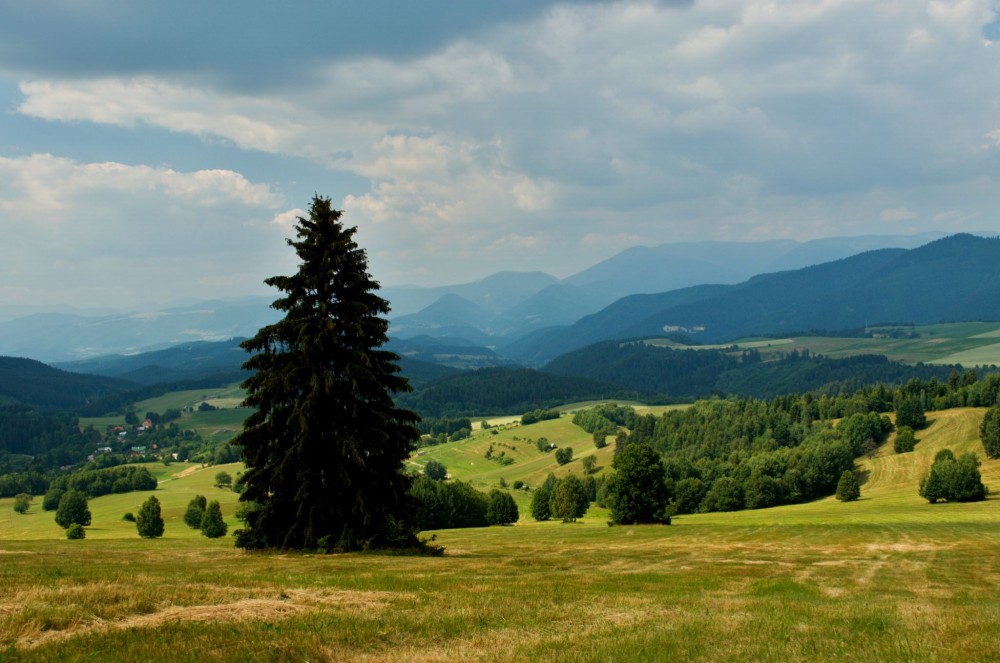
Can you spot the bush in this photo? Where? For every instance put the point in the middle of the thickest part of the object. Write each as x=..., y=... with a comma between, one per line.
x=22, y=501
x=954, y=480
x=212, y=524
x=905, y=440
x=76, y=531
x=223, y=480
x=149, y=523
x=436, y=470
x=518, y=484
x=51, y=500
x=564, y=455
x=848, y=489
x=129, y=517
x=73, y=509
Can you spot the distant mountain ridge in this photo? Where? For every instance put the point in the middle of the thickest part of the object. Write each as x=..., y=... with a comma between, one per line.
x=501, y=310
x=951, y=279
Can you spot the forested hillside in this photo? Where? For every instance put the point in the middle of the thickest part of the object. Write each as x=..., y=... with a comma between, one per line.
x=34, y=383
x=688, y=374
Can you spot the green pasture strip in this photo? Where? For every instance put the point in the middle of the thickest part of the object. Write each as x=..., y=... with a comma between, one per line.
x=179, y=482
x=230, y=396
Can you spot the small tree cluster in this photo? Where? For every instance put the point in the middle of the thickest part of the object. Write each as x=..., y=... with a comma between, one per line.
x=569, y=499
x=989, y=432
x=22, y=502
x=905, y=440
x=637, y=491
x=436, y=470
x=73, y=509
x=564, y=455
x=954, y=480
x=848, y=489
x=501, y=509
x=448, y=504
x=566, y=499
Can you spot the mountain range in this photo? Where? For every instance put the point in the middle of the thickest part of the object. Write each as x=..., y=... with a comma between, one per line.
x=508, y=315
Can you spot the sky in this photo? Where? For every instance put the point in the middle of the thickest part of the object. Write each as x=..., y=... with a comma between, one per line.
x=160, y=151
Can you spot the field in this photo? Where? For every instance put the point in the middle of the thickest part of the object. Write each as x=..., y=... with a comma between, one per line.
x=966, y=343
x=887, y=578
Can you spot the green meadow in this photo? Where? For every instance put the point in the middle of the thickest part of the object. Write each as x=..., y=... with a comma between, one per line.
x=966, y=343
x=887, y=578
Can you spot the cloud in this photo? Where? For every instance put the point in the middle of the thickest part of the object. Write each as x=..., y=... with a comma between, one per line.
x=726, y=120
x=896, y=214
x=96, y=232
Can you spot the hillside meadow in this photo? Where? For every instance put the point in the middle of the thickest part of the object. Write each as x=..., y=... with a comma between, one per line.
x=886, y=578
x=966, y=343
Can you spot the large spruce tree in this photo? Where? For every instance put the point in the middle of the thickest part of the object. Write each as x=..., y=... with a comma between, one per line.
x=326, y=443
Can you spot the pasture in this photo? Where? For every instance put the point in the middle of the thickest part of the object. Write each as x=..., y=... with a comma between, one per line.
x=886, y=578
x=967, y=343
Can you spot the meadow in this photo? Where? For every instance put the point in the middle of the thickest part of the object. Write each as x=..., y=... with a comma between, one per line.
x=887, y=578
x=966, y=343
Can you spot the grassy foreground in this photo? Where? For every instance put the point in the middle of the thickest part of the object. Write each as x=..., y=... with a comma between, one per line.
x=887, y=578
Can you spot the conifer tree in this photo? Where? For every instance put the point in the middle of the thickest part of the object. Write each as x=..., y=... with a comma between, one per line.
x=326, y=444
x=212, y=524
x=195, y=511
x=149, y=522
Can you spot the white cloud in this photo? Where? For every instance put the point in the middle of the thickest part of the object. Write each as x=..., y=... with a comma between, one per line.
x=895, y=214
x=95, y=232
x=724, y=119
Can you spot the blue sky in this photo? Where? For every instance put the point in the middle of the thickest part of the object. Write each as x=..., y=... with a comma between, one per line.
x=154, y=151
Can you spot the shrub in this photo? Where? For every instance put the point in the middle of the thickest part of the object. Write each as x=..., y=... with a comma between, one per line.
x=564, y=455
x=436, y=470
x=129, y=517
x=518, y=484
x=76, y=531
x=905, y=440
x=51, y=500
x=589, y=463
x=149, y=523
x=212, y=524
x=22, y=501
x=953, y=480
x=848, y=489
x=223, y=480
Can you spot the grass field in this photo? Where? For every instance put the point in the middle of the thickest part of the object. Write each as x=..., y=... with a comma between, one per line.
x=966, y=343
x=887, y=578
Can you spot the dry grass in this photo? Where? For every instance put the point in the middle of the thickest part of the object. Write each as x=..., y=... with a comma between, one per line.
x=889, y=578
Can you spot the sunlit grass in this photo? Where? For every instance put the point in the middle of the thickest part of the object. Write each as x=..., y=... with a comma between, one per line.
x=887, y=578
